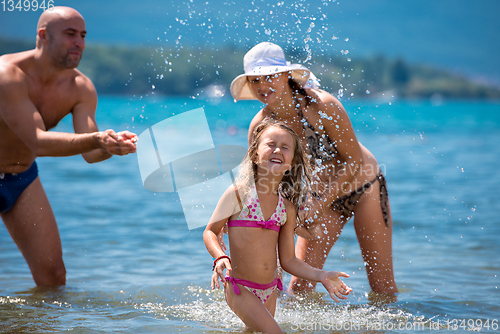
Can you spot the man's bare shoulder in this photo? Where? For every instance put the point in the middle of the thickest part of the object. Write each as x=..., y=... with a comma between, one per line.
x=16, y=57
x=84, y=85
x=16, y=66
x=10, y=70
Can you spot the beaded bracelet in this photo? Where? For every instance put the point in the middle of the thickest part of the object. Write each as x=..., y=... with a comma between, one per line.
x=221, y=257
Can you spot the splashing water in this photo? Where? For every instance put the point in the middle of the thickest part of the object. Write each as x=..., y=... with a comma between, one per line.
x=292, y=313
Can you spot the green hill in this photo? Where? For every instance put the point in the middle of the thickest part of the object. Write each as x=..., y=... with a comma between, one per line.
x=185, y=71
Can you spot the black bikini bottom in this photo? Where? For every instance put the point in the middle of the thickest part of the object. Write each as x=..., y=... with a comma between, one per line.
x=346, y=204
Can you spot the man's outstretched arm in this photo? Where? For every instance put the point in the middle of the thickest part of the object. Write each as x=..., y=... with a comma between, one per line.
x=23, y=118
x=120, y=143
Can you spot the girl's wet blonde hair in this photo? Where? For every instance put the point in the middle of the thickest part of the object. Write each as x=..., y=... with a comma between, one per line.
x=296, y=182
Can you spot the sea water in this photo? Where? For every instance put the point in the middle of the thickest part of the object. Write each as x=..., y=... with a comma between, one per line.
x=133, y=266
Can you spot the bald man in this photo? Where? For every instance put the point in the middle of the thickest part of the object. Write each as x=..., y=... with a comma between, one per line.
x=38, y=88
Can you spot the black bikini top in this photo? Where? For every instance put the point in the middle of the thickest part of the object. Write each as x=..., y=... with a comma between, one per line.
x=319, y=147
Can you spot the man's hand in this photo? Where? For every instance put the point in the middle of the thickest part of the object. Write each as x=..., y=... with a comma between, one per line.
x=127, y=136
x=121, y=143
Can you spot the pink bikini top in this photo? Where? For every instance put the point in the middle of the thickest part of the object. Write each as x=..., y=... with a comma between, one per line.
x=252, y=216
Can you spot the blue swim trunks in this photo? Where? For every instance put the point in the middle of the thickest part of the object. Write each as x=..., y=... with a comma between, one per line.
x=13, y=185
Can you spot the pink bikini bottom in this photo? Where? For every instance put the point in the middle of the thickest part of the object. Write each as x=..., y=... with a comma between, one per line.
x=261, y=291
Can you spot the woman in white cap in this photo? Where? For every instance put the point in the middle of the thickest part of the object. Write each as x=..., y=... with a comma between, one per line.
x=352, y=184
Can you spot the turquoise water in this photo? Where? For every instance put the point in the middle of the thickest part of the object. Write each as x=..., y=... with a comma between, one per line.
x=134, y=267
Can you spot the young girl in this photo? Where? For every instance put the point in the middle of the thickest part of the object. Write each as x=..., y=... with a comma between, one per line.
x=352, y=182
x=274, y=177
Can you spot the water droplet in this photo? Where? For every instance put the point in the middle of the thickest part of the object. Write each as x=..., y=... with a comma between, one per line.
x=367, y=91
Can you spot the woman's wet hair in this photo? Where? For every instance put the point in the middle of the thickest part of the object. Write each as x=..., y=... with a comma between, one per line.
x=298, y=89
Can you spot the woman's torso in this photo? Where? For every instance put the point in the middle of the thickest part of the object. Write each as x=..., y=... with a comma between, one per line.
x=307, y=121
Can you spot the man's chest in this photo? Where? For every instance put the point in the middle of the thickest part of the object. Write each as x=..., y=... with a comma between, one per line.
x=53, y=103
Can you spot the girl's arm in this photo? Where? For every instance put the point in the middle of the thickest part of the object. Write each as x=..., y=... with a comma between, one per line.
x=225, y=208
x=291, y=264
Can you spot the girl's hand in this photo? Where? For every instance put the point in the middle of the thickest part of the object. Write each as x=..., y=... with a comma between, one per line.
x=334, y=285
x=219, y=272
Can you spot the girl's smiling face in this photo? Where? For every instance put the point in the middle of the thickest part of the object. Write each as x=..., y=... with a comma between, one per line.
x=275, y=152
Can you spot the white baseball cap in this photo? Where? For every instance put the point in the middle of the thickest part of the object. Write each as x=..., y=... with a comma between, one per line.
x=266, y=59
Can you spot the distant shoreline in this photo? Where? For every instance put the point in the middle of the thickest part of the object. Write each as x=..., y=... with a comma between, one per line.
x=185, y=71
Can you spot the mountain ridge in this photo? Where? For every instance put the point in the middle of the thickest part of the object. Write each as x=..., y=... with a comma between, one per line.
x=196, y=71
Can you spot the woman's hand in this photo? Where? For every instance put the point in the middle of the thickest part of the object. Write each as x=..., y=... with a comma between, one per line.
x=311, y=211
x=309, y=226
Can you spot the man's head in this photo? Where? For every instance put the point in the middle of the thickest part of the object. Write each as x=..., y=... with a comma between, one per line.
x=61, y=36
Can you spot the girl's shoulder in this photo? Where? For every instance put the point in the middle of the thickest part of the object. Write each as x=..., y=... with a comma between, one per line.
x=231, y=196
x=289, y=206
